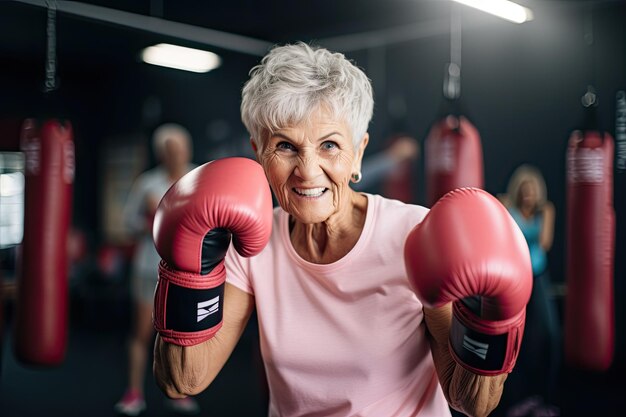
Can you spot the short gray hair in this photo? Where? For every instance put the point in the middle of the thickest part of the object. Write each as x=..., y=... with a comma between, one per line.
x=293, y=80
x=167, y=131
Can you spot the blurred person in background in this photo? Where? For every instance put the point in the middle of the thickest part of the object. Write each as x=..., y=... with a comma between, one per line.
x=172, y=147
x=536, y=376
x=391, y=172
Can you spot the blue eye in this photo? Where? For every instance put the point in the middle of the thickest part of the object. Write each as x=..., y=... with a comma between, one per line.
x=285, y=146
x=329, y=145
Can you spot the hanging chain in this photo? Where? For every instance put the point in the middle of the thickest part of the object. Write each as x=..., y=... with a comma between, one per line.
x=452, y=76
x=455, y=37
x=590, y=97
x=51, y=36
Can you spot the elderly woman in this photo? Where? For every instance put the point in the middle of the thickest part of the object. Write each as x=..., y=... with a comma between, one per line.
x=342, y=330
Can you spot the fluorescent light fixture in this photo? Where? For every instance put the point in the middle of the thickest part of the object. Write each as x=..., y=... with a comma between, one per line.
x=179, y=57
x=501, y=8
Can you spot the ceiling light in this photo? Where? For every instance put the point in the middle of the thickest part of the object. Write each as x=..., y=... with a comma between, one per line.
x=501, y=8
x=179, y=57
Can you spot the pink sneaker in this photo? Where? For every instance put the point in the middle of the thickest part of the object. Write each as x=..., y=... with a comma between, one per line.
x=186, y=405
x=131, y=404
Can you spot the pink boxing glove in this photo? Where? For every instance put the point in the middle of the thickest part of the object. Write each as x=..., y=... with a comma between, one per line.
x=192, y=231
x=468, y=250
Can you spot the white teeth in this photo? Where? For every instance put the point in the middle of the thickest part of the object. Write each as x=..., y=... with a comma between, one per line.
x=310, y=192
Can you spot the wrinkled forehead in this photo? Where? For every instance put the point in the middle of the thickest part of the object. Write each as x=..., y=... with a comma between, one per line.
x=319, y=117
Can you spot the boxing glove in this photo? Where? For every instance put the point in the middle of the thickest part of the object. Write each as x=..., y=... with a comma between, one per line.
x=469, y=251
x=192, y=230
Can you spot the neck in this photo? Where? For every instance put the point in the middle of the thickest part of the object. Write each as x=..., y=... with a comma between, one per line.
x=330, y=240
x=176, y=173
x=527, y=211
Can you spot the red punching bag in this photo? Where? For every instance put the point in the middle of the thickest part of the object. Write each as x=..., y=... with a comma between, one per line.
x=42, y=311
x=1, y=320
x=589, y=309
x=401, y=182
x=453, y=157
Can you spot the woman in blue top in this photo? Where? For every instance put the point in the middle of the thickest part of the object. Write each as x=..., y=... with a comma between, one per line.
x=538, y=362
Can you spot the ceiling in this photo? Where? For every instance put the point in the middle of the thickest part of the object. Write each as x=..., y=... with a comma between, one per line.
x=102, y=41
x=85, y=39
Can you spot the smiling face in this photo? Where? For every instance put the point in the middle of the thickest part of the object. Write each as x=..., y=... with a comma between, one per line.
x=309, y=165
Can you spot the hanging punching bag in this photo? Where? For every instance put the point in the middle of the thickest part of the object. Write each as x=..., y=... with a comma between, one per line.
x=453, y=157
x=42, y=298
x=1, y=320
x=590, y=231
x=401, y=182
x=453, y=151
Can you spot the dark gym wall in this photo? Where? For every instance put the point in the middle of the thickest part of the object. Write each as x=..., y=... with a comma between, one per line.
x=520, y=87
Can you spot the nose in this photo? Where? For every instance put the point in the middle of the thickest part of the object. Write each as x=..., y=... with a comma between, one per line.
x=307, y=167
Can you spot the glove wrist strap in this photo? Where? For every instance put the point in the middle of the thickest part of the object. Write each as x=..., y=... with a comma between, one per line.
x=188, y=307
x=485, y=347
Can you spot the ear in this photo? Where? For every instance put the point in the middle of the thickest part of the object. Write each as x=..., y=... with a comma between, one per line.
x=356, y=166
x=254, y=148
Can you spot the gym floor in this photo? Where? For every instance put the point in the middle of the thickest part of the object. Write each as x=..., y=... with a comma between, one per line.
x=93, y=375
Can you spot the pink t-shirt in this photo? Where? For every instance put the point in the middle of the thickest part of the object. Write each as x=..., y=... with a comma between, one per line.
x=346, y=338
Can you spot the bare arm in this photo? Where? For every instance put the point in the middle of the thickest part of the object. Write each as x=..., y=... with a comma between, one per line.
x=547, y=229
x=472, y=394
x=140, y=208
x=180, y=371
x=133, y=209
